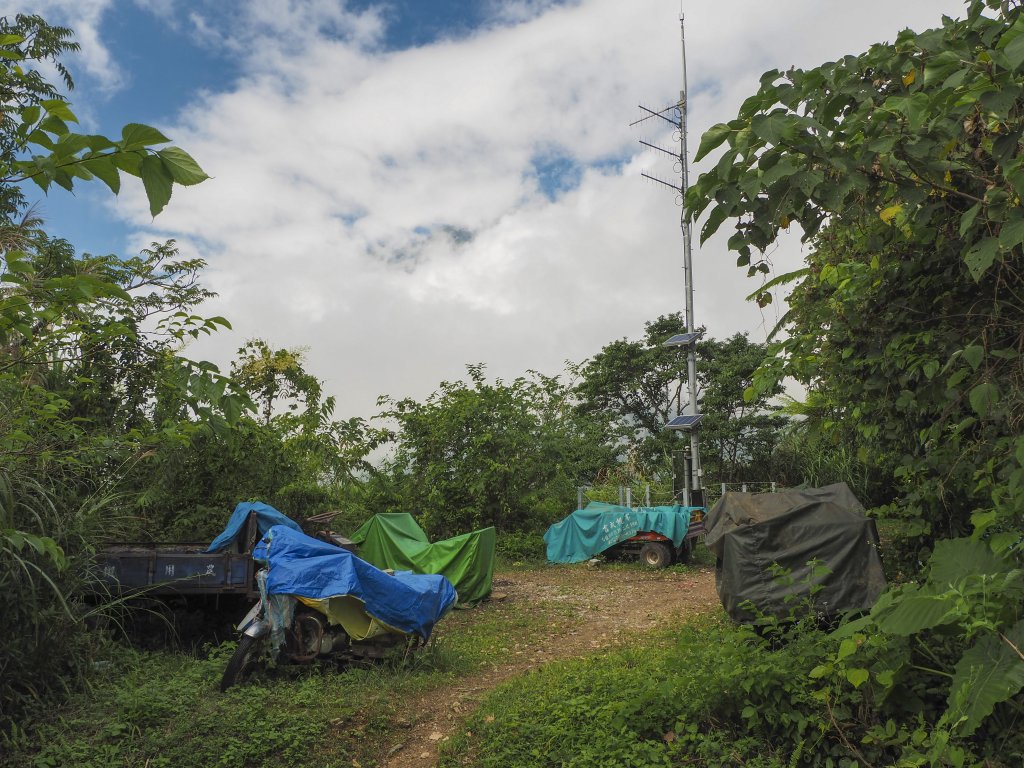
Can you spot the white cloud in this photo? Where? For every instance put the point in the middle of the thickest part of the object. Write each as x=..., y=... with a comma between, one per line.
x=382, y=207
x=85, y=17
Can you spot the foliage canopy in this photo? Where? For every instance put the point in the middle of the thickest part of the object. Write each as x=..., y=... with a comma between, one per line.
x=903, y=168
x=642, y=385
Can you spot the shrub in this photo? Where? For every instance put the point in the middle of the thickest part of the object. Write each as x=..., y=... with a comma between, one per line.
x=521, y=546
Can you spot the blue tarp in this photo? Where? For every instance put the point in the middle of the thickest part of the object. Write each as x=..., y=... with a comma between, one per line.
x=587, y=532
x=305, y=567
x=266, y=518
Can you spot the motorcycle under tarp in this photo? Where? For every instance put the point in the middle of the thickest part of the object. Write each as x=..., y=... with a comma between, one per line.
x=395, y=540
x=351, y=592
x=590, y=531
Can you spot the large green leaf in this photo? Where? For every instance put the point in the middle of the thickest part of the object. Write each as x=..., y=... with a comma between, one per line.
x=233, y=407
x=29, y=115
x=940, y=67
x=182, y=168
x=97, y=143
x=776, y=127
x=956, y=559
x=912, y=614
x=974, y=354
x=718, y=214
x=984, y=398
x=60, y=109
x=988, y=673
x=1012, y=233
x=157, y=182
x=103, y=168
x=712, y=138
x=139, y=136
x=1015, y=52
x=913, y=107
x=981, y=256
x=129, y=162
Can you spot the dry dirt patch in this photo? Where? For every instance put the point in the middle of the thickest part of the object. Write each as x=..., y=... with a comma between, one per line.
x=603, y=608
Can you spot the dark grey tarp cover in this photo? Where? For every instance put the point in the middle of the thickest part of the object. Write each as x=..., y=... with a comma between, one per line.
x=748, y=532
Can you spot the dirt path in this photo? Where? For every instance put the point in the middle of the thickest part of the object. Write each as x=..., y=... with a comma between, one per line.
x=607, y=608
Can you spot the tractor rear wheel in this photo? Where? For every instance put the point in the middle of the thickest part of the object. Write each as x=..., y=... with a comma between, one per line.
x=655, y=555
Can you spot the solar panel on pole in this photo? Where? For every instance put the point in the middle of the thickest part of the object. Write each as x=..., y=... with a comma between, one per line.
x=685, y=422
x=682, y=339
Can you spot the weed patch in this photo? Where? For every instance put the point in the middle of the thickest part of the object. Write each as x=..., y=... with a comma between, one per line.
x=165, y=709
x=707, y=694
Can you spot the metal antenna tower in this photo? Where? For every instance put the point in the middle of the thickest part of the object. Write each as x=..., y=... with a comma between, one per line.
x=675, y=115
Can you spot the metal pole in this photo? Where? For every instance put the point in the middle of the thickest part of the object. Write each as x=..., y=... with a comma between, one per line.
x=629, y=496
x=691, y=356
x=686, y=481
x=647, y=495
x=579, y=497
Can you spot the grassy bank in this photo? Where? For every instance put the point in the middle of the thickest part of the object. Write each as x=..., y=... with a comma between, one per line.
x=712, y=694
x=165, y=709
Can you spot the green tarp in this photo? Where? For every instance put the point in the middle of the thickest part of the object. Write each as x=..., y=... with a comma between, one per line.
x=586, y=532
x=396, y=541
x=749, y=533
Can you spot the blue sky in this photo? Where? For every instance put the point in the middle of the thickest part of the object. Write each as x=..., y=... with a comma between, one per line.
x=461, y=174
x=161, y=67
x=162, y=74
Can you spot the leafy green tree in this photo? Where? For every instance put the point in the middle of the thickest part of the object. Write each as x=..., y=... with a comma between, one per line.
x=737, y=435
x=293, y=454
x=641, y=385
x=290, y=399
x=903, y=168
x=275, y=378
x=908, y=304
x=477, y=454
x=25, y=87
x=79, y=362
x=819, y=447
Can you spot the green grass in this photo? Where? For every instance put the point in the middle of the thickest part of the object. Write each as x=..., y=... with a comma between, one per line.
x=565, y=713
x=704, y=695
x=672, y=698
x=165, y=709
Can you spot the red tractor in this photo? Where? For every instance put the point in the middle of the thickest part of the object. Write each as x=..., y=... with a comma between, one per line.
x=655, y=550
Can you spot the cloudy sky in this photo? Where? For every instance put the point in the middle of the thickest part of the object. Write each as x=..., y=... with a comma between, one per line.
x=408, y=186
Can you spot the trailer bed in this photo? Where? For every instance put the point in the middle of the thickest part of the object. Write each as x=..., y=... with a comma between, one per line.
x=180, y=569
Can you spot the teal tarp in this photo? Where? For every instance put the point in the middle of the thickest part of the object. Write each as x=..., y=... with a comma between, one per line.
x=586, y=532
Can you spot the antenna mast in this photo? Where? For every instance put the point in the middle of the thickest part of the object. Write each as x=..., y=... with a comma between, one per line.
x=693, y=471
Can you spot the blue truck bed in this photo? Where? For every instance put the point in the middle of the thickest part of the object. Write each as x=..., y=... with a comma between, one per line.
x=187, y=568
x=181, y=568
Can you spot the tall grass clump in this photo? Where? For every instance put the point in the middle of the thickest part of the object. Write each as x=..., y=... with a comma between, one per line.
x=47, y=592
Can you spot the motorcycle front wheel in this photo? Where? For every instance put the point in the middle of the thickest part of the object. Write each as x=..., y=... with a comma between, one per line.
x=243, y=661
